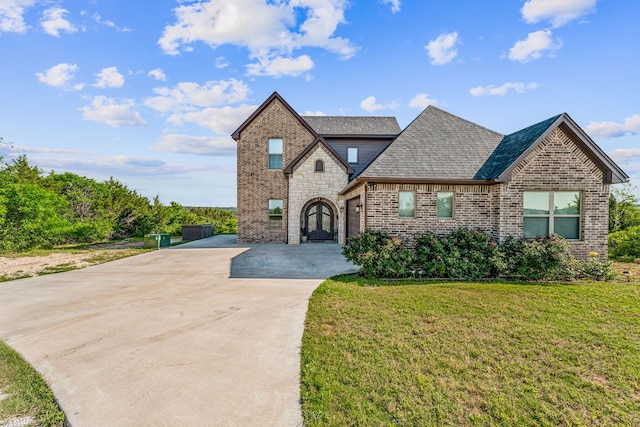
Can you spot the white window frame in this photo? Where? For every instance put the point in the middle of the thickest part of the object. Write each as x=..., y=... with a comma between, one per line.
x=352, y=154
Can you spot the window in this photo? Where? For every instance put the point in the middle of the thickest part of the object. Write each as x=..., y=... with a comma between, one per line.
x=352, y=155
x=445, y=204
x=406, y=204
x=275, y=153
x=319, y=166
x=540, y=219
x=275, y=214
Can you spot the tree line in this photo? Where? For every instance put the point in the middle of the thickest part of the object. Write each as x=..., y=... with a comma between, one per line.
x=40, y=210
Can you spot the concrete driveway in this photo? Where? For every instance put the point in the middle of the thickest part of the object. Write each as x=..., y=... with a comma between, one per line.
x=204, y=334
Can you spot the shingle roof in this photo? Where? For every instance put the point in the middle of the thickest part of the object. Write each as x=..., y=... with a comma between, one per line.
x=512, y=147
x=436, y=145
x=335, y=125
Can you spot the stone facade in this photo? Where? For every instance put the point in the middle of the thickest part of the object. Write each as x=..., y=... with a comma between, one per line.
x=306, y=185
x=257, y=184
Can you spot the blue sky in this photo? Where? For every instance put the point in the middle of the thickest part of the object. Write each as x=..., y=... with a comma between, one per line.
x=149, y=91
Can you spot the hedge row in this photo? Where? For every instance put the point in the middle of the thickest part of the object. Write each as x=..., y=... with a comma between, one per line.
x=470, y=255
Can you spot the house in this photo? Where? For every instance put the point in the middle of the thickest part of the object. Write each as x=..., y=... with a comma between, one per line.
x=329, y=178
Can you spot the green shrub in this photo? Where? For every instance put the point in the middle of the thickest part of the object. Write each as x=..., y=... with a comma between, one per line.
x=463, y=254
x=469, y=254
x=595, y=269
x=625, y=243
x=379, y=255
x=543, y=258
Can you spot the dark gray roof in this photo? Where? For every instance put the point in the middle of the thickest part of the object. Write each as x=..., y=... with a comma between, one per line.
x=353, y=126
x=436, y=145
x=512, y=147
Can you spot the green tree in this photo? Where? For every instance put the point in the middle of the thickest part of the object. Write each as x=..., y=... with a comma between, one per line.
x=624, y=211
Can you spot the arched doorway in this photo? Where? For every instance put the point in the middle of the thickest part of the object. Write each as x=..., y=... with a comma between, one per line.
x=319, y=221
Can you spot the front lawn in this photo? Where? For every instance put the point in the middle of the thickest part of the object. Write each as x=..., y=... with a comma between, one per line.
x=467, y=354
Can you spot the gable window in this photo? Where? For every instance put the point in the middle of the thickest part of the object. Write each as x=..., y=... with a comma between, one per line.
x=445, y=204
x=319, y=166
x=406, y=204
x=549, y=212
x=275, y=214
x=275, y=153
x=352, y=155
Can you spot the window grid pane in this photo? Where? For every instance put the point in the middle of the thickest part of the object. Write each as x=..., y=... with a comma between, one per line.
x=352, y=155
x=406, y=204
x=275, y=153
x=563, y=219
x=445, y=204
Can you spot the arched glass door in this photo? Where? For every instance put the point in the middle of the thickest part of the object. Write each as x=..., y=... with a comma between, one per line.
x=319, y=220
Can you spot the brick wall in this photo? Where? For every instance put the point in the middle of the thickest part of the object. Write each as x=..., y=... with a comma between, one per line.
x=256, y=182
x=472, y=209
x=305, y=185
x=559, y=164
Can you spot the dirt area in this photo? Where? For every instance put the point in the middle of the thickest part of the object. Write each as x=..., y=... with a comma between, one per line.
x=14, y=267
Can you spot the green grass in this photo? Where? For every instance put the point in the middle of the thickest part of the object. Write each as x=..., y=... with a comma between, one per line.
x=471, y=354
x=27, y=392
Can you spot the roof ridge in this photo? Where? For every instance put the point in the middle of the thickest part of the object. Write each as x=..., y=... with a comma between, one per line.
x=462, y=119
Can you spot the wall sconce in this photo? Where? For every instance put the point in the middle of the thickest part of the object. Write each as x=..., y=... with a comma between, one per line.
x=358, y=206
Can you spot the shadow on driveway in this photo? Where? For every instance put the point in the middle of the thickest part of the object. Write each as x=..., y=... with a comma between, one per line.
x=279, y=260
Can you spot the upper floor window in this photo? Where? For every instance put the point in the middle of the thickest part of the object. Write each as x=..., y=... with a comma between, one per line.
x=549, y=212
x=319, y=166
x=352, y=155
x=275, y=153
x=445, y=204
x=406, y=204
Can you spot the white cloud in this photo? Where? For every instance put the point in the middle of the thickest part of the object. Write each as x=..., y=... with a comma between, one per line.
x=503, y=89
x=370, y=104
x=200, y=145
x=11, y=15
x=631, y=125
x=221, y=62
x=59, y=75
x=442, y=50
x=268, y=29
x=313, y=113
x=109, y=23
x=106, y=110
x=53, y=22
x=109, y=77
x=158, y=74
x=188, y=95
x=559, y=12
x=395, y=5
x=422, y=100
x=280, y=66
x=222, y=120
x=534, y=46
x=625, y=155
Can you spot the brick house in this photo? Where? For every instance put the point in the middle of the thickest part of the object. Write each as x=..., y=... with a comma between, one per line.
x=329, y=178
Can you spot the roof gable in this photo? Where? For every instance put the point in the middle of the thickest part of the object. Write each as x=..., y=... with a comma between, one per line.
x=274, y=96
x=516, y=146
x=319, y=141
x=512, y=147
x=354, y=126
x=436, y=145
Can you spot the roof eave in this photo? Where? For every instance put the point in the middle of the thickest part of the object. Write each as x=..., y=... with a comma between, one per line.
x=441, y=181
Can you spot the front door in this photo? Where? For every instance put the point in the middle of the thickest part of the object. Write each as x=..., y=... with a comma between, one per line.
x=319, y=218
